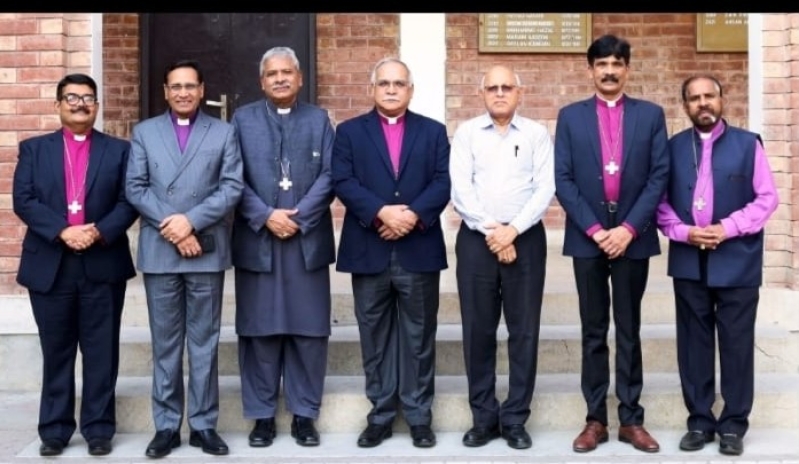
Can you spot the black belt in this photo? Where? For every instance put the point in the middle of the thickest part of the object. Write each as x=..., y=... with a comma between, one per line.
x=612, y=207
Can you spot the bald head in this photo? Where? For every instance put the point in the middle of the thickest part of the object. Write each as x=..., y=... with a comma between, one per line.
x=501, y=90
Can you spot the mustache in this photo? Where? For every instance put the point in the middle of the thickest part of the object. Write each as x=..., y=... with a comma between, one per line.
x=82, y=109
x=610, y=78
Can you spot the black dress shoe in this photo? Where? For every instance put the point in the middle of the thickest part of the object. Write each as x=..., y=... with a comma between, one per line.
x=163, y=443
x=51, y=447
x=480, y=436
x=373, y=435
x=304, y=432
x=731, y=444
x=209, y=441
x=423, y=436
x=695, y=440
x=99, y=446
x=516, y=436
x=262, y=433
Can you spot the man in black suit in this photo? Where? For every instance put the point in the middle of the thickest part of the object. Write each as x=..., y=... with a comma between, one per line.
x=69, y=191
x=611, y=167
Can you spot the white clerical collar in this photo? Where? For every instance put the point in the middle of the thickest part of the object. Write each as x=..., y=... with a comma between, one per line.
x=705, y=135
x=79, y=137
x=284, y=110
x=611, y=103
x=183, y=121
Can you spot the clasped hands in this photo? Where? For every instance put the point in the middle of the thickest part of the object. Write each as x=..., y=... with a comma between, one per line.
x=281, y=224
x=80, y=237
x=499, y=240
x=613, y=242
x=397, y=221
x=177, y=230
x=708, y=237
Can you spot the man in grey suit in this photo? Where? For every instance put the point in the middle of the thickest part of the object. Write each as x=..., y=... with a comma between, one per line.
x=185, y=179
x=283, y=246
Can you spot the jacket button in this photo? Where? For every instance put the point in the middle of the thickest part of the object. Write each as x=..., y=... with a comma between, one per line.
x=396, y=194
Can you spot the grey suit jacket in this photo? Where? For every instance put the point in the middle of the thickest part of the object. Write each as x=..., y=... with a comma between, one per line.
x=204, y=183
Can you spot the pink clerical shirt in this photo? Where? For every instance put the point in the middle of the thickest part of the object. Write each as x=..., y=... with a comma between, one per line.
x=76, y=162
x=393, y=130
x=611, y=133
x=747, y=220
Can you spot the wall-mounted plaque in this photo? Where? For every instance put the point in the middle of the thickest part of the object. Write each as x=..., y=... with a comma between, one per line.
x=534, y=32
x=722, y=32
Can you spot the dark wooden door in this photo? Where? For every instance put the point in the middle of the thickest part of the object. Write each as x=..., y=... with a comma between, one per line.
x=228, y=47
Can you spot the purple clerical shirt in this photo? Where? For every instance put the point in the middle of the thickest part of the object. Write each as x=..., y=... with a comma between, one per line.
x=76, y=162
x=748, y=220
x=393, y=130
x=182, y=130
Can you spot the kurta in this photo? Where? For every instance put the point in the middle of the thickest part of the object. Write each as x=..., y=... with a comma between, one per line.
x=284, y=296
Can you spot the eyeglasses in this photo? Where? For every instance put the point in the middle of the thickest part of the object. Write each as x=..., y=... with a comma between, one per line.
x=384, y=84
x=73, y=99
x=176, y=88
x=494, y=89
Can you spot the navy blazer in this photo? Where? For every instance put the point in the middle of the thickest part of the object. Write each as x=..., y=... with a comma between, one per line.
x=579, y=175
x=364, y=181
x=40, y=202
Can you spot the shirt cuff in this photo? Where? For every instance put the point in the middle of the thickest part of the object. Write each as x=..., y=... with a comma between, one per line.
x=629, y=227
x=593, y=229
x=730, y=229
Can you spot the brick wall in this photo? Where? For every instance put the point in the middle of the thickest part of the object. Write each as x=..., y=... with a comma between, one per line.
x=120, y=73
x=780, y=135
x=36, y=50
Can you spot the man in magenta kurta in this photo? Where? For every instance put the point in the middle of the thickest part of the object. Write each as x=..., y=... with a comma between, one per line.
x=719, y=197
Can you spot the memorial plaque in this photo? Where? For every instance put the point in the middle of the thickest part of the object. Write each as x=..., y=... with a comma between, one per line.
x=722, y=32
x=534, y=32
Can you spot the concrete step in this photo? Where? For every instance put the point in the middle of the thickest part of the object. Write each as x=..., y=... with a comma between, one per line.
x=557, y=404
x=763, y=446
x=559, y=352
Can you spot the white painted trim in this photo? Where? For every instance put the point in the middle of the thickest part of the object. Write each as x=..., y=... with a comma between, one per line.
x=755, y=72
x=96, y=70
x=423, y=48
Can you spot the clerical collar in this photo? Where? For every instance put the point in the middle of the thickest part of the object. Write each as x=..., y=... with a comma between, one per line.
x=183, y=121
x=281, y=111
x=77, y=137
x=391, y=121
x=610, y=103
x=713, y=133
x=284, y=110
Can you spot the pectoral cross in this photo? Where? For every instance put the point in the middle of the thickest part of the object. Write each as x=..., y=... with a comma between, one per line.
x=285, y=184
x=699, y=204
x=612, y=168
x=74, y=207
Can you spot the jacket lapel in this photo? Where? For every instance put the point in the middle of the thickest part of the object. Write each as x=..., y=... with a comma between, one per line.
x=56, y=147
x=591, y=122
x=198, y=133
x=95, y=158
x=408, y=139
x=630, y=120
x=167, y=131
x=375, y=131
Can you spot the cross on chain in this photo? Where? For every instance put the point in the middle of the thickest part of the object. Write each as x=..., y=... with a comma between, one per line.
x=699, y=203
x=74, y=207
x=285, y=184
x=612, y=168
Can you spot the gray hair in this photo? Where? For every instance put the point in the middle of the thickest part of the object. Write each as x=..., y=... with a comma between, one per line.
x=279, y=51
x=390, y=59
x=483, y=81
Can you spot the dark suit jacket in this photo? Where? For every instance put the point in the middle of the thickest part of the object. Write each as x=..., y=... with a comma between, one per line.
x=364, y=181
x=40, y=201
x=579, y=171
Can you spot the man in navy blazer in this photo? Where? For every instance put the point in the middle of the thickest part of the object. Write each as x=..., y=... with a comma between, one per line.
x=611, y=167
x=69, y=190
x=390, y=169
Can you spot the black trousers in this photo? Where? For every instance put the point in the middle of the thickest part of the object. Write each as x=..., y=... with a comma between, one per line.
x=397, y=313
x=628, y=278
x=702, y=312
x=77, y=313
x=488, y=289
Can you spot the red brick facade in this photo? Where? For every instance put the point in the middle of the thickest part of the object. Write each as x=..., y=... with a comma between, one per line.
x=36, y=50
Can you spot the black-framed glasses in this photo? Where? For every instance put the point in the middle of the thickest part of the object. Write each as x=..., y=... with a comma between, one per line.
x=496, y=88
x=73, y=99
x=177, y=88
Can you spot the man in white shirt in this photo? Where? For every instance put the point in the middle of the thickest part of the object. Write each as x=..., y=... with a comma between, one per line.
x=501, y=168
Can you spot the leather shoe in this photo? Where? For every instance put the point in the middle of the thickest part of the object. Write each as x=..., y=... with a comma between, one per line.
x=423, y=436
x=480, y=436
x=637, y=436
x=731, y=444
x=592, y=435
x=304, y=432
x=99, y=446
x=209, y=441
x=373, y=435
x=695, y=440
x=516, y=436
x=263, y=432
x=162, y=443
x=51, y=447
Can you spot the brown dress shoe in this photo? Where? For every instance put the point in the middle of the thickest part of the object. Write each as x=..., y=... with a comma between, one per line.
x=637, y=436
x=592, y=435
